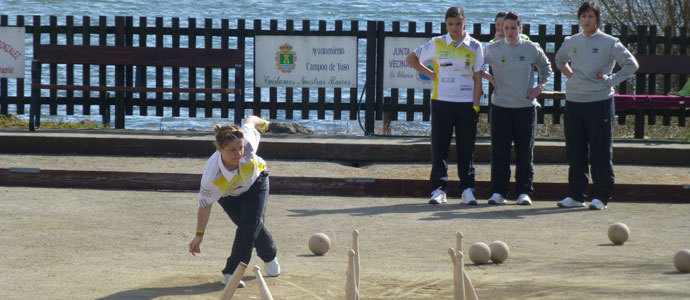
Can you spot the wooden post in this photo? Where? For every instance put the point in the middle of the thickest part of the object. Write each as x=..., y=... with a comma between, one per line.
x=426, y=93
x=289, y=92
x=208, y=71
x=53, y=70
x=256, y=102
x=640, y=82
x=119, y=75
x=86, y=69
x=306, y=27
x=409, y=103
x=20, y=81
x=4, y=103
x=556, y=109
x=338, y=92
x=238, y=105
x=69, y=40
x=651, y=78
x=354, y=92
x=683, y=77
x=176, y=70
x=129, y=70
x=380, y=40
x=103, y=99
x=273, y=91
x=140, y=73
x=159, y=70
x=224, y=72
x=387, y=111
x=370, y=104
x=191, y=74
x=623, y=86
x=35, y=108
x=321, y=92
x=105, y=112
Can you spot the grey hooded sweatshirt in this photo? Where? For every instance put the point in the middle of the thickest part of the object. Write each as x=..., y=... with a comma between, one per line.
x=513, y=67
x=589, y=55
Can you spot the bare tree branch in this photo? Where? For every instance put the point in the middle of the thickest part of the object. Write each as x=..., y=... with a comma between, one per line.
x=619, y=13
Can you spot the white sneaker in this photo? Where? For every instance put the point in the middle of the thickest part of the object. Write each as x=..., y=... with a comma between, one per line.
x=438, y=196
x=570, y=203
x=227, y=277
x=468, y=197
x=497, y=199
x=272, y=268
x=596, y=204
x=524, y=199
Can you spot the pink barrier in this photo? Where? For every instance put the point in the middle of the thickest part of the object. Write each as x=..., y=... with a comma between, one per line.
x=625, y=102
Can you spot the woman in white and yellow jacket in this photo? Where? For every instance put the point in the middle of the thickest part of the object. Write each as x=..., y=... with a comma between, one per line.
x=238, y=179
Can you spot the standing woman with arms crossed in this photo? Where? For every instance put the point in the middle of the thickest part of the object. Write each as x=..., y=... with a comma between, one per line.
x=238, y=179
x=589, y=111
x=513, y=109
x=458, y=60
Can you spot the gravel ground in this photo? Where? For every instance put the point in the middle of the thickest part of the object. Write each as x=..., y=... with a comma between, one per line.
x=95, y=244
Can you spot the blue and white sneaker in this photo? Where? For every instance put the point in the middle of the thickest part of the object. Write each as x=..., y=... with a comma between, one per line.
x=497, y=199
x=596, y=204
x=272, y=268
x=227, y=277
x=524, y=199
x=468, y=197
x=438, y=196
x=570, y=203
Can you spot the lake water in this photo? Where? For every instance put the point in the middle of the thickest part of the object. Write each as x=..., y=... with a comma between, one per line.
x=533, y=12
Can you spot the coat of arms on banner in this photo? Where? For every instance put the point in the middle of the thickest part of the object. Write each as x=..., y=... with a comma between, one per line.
x=285, y=58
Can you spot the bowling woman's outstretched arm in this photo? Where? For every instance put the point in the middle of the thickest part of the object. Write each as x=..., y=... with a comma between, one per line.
x=201, y=221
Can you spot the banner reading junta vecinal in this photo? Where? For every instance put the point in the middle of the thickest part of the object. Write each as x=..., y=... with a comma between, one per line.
x=397, y=73
x=305, y=61
x=12, y=52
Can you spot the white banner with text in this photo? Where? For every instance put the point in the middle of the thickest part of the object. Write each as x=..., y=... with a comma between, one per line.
x=397, y=73
x=12, y=52
x=305, y=61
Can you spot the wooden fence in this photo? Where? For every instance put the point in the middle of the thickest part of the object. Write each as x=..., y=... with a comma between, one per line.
x=340, y=103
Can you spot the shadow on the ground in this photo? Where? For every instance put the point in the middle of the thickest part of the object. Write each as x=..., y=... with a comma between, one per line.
x=441, y=212
x=153, y=293
x=157, y=292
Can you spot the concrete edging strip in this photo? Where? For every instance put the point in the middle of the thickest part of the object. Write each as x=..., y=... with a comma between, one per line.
x=356, y=187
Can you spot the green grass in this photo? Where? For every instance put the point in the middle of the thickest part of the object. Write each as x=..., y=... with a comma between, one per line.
x=13, y=121
x=546, y=130
x=550, y=130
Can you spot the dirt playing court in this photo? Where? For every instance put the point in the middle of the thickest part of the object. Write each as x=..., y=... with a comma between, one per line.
x=96, y=244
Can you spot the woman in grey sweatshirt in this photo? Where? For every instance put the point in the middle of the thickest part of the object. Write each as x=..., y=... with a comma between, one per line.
x=513, y=108
x=589, y=111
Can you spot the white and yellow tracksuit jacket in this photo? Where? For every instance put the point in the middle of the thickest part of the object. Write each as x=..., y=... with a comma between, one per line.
x=218, y=181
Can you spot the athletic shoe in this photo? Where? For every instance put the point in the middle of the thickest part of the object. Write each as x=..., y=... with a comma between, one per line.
x=468, y=197
x=497, y=199
x=570, y=203
x=524, y=199
x=438, y=196
x=596, y=204
x=227, y=277
x=272, y=268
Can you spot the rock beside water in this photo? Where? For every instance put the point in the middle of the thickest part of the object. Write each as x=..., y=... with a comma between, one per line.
x=289, y=128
